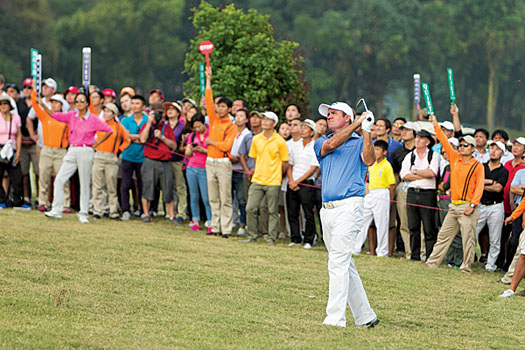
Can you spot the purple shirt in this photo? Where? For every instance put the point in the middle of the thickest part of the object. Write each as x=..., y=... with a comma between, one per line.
x=82, y=131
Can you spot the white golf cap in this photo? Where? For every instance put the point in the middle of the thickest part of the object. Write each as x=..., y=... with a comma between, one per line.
x=311, y=124
x=500, y=145
x=271, y=115
x=112, y=107
x=51, y=83
x=520, y=140
x=59, y=98
x=411, y=126
x=338, y=106
x=454, y=141
x=447, y=125
x=427, y=126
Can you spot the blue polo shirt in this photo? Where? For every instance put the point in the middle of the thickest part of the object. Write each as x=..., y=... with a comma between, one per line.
x=135, y=152
x=342, y=170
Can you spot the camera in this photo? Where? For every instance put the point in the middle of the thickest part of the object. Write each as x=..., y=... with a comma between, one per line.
x=158, y=117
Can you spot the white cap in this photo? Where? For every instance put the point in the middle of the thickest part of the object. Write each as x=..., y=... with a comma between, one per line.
x=454, y=141
x=311, y=124
x=447, y=125
x=427, y=126
x=271, y=115
x=500, y=145
x=411, y=126
x=338, y=106
x=51, y=83
x=60, y=99
x=112, y=107
x=520, y=140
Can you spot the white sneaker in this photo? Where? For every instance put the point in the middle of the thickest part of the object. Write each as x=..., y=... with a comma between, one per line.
x=192, y=223
x=293, y=244
x=241, y=231
x=83, y=219
x=137, y=213
x=126, y=216
x=307, y=246
x=507, y=294
x=53, y=214
x=207, y=223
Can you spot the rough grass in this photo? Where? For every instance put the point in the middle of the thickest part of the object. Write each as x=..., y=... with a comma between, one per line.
x=156, y=286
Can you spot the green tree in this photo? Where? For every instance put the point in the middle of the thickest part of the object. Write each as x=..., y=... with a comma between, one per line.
x=248, y=62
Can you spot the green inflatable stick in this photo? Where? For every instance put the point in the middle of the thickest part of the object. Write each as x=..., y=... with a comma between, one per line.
x=428, y=99
x=451, y=89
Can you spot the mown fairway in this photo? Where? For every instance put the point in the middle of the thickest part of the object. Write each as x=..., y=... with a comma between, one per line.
x=154, y=286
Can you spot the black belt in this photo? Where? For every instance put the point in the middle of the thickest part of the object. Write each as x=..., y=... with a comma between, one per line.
x=411, y=189
x=490, y=202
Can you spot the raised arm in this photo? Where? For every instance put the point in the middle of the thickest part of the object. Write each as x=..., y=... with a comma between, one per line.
x=338, y=139
x=454, y=110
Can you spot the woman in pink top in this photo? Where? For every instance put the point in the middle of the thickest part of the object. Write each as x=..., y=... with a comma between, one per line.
x=83, y=127
x=11, y=145
x=196, y=151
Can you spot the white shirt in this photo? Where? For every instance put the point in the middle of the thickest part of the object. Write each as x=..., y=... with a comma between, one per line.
x=235, y=148
x=506, y=157
x=420, y=164
x=302, y=158
x=482, y=158
x=32, y=116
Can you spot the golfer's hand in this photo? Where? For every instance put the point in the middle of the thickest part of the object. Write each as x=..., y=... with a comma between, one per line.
x=368, y=121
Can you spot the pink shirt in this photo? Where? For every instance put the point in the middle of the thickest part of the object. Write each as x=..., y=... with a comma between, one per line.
x=198, y=159
x=16, y=123
x=82, y=131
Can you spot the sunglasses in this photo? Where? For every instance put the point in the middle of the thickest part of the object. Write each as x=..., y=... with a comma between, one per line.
x=28, y=87
x=3, y=103
x=80, y=100
x=398, y=125
x=465, y=145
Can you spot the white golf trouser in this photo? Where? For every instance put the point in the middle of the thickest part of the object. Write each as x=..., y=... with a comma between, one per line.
x=377, y=208
x=492, y=216
x=341, y=226
x=80, y=158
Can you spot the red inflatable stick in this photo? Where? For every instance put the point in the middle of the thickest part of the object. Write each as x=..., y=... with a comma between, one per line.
x=206, y=47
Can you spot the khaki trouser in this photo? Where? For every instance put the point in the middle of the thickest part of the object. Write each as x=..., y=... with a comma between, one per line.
x=219, y=179
x=454, y=222
x=104, y=176
x=255, y=197
x=49, y=165
x=510, y=273
x=180, y=189
x=401, y=198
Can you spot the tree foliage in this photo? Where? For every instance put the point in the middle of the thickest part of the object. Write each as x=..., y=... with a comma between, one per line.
x=247, y=61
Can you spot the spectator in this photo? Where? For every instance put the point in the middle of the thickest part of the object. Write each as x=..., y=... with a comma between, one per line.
x=155, y=96
x=55, y=140
x=110, y=96
x=133, y=155
x=70, y=94
x=97, y=101
x=158, y=140
x=491, y=206
x=481, y=153
x=501, y=135
x=396, y=128
x=83, y=126
x=125, y=105
x=172, y=112
x=321, y=127
x=27, y=88
x=512, y=166
x=377, y=202
x=292, y=111
x=284, y=132
x=420, y=167
x=467, y=179
x=519, y=272
x=241, y=121
x=237, y=104
x=14, y=109
x=218, y=163
x=11, y=144
x=517, y=188
x=105, y=164
x=408, y=135
x=301, y=175
x=269, y=150
x=196, y=151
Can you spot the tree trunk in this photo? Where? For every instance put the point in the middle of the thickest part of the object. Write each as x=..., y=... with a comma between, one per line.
x=492, y=100
x=380, y=99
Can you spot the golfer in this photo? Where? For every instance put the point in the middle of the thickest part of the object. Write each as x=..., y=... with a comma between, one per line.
x=344, y=157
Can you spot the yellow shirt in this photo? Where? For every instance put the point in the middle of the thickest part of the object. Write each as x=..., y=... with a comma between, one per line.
x=381, y=175
x=269, y=155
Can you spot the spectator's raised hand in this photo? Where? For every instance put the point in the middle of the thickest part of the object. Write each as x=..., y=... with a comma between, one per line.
x=432, y=119
x=454, y=110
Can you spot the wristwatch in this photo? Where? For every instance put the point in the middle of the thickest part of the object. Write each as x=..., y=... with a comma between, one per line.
x=415, y=171
x=472, y=205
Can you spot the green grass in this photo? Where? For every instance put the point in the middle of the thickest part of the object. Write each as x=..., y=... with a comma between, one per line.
x=153, y=286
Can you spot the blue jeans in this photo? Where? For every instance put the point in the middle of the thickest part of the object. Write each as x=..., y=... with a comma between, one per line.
x=197, y=183
x=238, y=189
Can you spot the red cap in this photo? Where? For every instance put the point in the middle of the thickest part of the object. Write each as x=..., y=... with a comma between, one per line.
x=109, y=92
x=158, y=92
x=28, y=82
x=72, y=89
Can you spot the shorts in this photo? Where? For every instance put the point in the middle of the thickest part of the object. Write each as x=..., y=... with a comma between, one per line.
x=27, y=156
x=152, y=172
x=522, y=243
